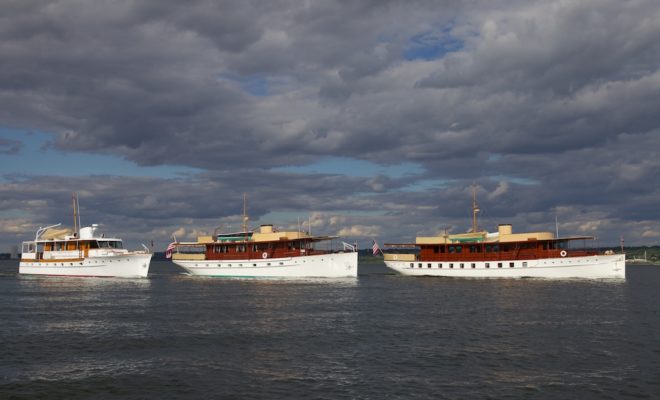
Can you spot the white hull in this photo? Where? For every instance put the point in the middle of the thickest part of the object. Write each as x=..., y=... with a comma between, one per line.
x=335, y=265
x=589, y=267
x=134, y=265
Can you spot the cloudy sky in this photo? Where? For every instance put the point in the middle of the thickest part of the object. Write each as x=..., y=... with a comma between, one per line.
x=360, y=118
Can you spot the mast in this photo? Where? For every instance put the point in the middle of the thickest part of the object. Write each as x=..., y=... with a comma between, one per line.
x=475, y=210
x=245, y=216
x=75, y=214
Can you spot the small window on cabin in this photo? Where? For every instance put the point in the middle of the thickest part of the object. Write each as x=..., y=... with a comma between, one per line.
x=93, y=244
x=496, y=248
x=254, y=247
x=487, y=265
x=451, y=265
x=419, y=265
x=524, y=264
x=499, y=265
x=474, y=265
x=510, y=265
x=459, y=249
x=462, y=265
x=436, y=249
x=412, y=265
x=428, y=265
x=439, y=265
x=452, y=249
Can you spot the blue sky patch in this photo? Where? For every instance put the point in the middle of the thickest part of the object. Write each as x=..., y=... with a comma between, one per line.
x=355, y=168
x=432, y=45
x=35, y=157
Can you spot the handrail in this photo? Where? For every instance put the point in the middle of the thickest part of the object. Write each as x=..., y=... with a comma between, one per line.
x=41, y=230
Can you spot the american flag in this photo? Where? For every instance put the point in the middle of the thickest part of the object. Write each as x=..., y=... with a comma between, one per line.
x=170, y=249
x=375, y=249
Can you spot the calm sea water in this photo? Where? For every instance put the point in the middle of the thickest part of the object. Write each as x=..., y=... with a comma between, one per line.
x=375, y=337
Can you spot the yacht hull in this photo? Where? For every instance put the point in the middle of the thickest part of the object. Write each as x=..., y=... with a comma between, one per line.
x=121, y=266
x=587, y=267
x=334, y=265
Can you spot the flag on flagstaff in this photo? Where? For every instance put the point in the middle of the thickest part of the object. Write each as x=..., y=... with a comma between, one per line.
x=375, y=249
x=170, y=249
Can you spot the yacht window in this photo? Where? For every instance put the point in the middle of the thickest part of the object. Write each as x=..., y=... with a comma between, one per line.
x=510, y=265
x=499, y=265
x=487, y=265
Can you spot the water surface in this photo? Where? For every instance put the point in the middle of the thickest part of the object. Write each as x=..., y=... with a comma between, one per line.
x=379, y=336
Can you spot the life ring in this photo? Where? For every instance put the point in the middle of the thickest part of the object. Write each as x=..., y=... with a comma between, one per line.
x=562, y=253
x=264, y=255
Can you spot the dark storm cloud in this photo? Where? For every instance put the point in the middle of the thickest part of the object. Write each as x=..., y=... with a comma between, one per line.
x=547, y=106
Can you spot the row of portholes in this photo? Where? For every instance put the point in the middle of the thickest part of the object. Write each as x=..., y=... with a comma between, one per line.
x=51, y=265
x=63, y=264
x=462, y=265
x=239, y=265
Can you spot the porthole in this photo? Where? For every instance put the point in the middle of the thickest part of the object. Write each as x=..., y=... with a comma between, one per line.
x=462, y=265
x=451, y=265
x=474, y=265
x=499, y=265
x=487, y=265
x=510, y=265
